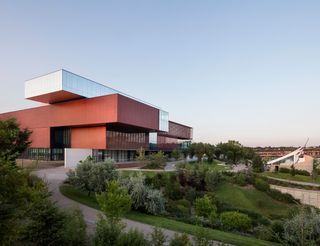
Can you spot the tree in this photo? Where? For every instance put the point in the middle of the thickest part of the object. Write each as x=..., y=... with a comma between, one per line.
x=257, y=164
x=315, y=169
x=156, y=160
x=91, y=177
x=115, y=202
x=141, y=155
x=303, y=229
x=176, y=154
x=144, y=197
x=13, y=140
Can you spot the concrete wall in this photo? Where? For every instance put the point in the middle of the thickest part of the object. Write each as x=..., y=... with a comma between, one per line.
x=73, y=156
x=309, y=197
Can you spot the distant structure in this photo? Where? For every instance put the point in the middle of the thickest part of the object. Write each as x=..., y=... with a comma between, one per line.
x=276, y=152
x=297, y=158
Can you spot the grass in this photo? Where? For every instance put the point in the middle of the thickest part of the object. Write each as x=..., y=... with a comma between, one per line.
x=127, y=173
x=216, y=166
x=170, y=224
x=288, y=176
x=249, y=198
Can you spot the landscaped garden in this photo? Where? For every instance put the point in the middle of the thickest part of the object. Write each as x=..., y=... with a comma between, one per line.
x=237, y=208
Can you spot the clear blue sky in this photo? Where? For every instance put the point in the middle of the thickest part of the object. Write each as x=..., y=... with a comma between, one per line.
x=244, y=70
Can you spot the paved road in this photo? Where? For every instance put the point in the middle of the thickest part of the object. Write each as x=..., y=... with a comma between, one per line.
x=309, y=197
x=55, y=176
x=295, y=182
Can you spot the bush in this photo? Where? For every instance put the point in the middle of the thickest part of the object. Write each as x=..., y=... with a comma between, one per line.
x=157, y=237
x=155, y=202
x=302, y=172
x=74, y=228
x=115, y=202
x=282, y=197
x=156, y=160
x=92, y=177
x=235, y=221
x=261, y=185
x=132, y=238
x=205, y=206
x=202, y=237
x=284, y=170
x=240, y=179
x=143, y=197
x=212, y=179
x=303, y=229
x=190, y=194
x=180, y=240
x=107, y=233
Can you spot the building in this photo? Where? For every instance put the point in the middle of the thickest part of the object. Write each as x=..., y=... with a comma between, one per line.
x=297, y=158
x=82, y=116
x=275, y=152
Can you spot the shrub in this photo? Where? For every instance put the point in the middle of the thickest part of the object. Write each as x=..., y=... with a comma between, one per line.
x=154, y=203
x=91, y=177
x=284, y=170
x=115, y=202
x=156, y=160
x=261, y=184
x=212, y=179
x=240, y=179
x=302, y=172
x=303, y=229
x=74, y=228
x=282, y=197
x=235, y=221
x=157, y=237
x=205, y=206
x=132, y=238
x=143, y=197
x=180, y=240
x=202, y=237
x=107, y=233
x=190, y=194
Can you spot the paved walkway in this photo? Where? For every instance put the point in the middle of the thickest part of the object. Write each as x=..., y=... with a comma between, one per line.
x=309, y=197
x=55, y=177
x=295, y=182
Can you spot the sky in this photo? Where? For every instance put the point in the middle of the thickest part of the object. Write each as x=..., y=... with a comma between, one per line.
x=242, y=70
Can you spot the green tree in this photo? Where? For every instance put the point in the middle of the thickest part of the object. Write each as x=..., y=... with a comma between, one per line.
x=13, y=140
x=176, y=154
x=92, y=177
x=141, y=155
x=257, y=164
x=303, y=229
x=156, y=160
x=115, y=202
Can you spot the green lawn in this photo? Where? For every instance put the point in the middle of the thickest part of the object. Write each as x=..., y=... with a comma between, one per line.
x=288, y=176
x=126, y=173
x=249, y=198
x=216, y=165
x=81, y=197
